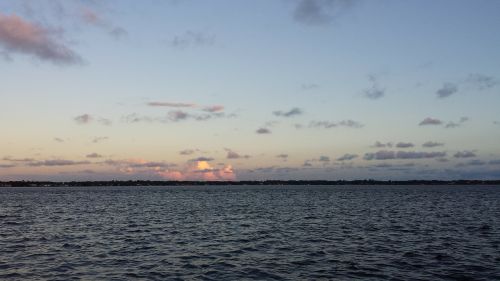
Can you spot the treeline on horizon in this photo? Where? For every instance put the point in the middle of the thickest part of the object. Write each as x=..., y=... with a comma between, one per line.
x=264, y=182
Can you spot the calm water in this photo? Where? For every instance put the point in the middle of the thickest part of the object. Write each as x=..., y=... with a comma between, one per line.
x=244, y=233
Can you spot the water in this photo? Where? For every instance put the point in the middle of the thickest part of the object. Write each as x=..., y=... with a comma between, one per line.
x=250, y=233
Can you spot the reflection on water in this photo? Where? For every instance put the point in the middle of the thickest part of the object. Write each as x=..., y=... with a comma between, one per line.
x=261, y=233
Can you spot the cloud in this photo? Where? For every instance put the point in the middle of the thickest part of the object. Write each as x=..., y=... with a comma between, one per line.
x=494, y=162
x=5, y=166
x=58, y=140
x=329, y=124
x=309, y=86
x=10, y=159
x=214, y=108
x=389, y=155
x=171, y=104
x=57, y=162
x=432, y=144
x=187, y=151
x=347, y=157
x=474, y=162
x=92, y=17
x=83, y=119
x=452, y=124
x=178, y=115
x=323, y=158
x=234, y=155
x=292, y=112
x=192, y=39
x=284, y=157
x=430, y=121
x=204, y=159
x=464, y=154
x=99, y=139
x=262, y=131
x=404, y=145
x=378, y=144
x=20, y=36
x=447, y=90
x=319, y=12
x=374, y=92
x=93, y=155
x=482, y=82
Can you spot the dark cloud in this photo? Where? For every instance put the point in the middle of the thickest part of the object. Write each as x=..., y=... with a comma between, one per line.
x=20, y=36
x=192, y=39
x=57, y=162
x=83, y=119
x=292, y=112
x=482, y=82
x=58, y=140
x=404, y=145
x=5, y=166
x=93, y=155
x=430, y=121
x=207, y=159
x=447, y=90
x=465, y=154
x=494, y=162
x=329, y=124
x=318, y=12
x=234, y=155
x=432, y=144
x=347, y=157
x=262, y=131
x=388, y=155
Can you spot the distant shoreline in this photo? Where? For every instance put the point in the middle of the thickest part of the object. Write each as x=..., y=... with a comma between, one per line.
x=236, y=183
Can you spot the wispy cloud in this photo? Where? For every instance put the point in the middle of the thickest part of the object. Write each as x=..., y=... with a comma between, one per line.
x=93, y=17
x=375, y=91
x=389, y=154
x=432, y=144
x=465, y=154
x=20, y=36
x=192, y=38
x=292, y=112
x=309, y=86
x=282, y=156
x=318, y=12
x=99, y=139
x=171, y=104
x=57, y=162
x=94, y=155
x=379, y=144
x=482, y=82
x=447, y=90
x=329, y=124
x=347, y=157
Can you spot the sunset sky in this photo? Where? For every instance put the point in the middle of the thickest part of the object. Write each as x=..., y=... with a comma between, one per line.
x=249, y=90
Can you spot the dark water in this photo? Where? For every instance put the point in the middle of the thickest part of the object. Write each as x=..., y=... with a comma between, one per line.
x=244, y=233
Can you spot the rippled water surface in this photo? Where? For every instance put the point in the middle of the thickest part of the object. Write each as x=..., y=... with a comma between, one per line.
x=243, y=233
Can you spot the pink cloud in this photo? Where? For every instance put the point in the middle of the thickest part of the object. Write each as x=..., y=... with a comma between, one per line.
x=20, y=36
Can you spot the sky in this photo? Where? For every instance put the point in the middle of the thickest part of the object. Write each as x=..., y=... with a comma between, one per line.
x=249, y=90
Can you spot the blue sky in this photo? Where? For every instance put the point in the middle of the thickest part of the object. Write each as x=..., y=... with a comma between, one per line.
x=281, y=89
